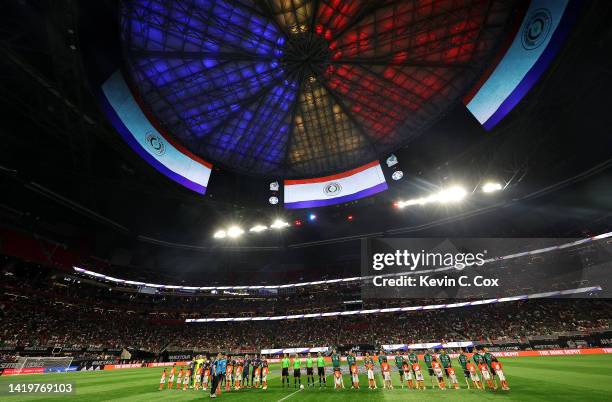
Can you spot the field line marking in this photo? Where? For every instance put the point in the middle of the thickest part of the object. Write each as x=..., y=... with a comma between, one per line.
x=290, y=395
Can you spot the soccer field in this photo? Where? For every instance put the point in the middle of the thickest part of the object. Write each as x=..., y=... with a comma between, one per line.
x=562, y=378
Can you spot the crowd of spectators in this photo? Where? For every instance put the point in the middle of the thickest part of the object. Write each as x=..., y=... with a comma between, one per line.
x=48, y=310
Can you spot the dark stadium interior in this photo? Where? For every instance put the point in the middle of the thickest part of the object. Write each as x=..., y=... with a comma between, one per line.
x=73, y=194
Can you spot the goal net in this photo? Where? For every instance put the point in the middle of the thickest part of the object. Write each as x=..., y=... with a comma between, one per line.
x=49, y=364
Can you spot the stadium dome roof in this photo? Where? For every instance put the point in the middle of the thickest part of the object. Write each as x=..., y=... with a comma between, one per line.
x=298, y=88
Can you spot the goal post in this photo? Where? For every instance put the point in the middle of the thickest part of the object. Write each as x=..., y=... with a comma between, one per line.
x=48, y=364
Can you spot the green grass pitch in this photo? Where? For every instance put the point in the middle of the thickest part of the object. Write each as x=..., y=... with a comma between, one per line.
x=558, y=378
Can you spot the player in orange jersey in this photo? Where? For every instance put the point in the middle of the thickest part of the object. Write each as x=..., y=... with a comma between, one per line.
x=437, y=369
x=186, y=379
x=498, y=371
x=179, y=379
x=162, y=381
x=386, y=372
x=368, y=362
x=474, y=375
x=171, y=380
x=418, y=376
x=486, y=375
x=355, y=376
x=453, y=377
x=338, y=379
x=198, y=378
x=205, y=374
x=257, y=376
x=238, y=376
x=229, y=370
x=407, y=374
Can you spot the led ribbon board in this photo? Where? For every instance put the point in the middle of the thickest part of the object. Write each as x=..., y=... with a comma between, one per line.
x=429, y=345
x=351, y=185
x=322, y=349
x=556, y=293
x=147, y=140
x=539, y=38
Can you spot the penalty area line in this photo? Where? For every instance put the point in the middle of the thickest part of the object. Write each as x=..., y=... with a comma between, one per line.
x=290, y=395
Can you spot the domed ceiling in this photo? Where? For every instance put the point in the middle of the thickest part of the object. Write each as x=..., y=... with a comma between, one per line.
x=299, y=88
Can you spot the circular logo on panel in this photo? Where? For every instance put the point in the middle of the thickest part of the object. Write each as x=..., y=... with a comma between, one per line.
x=536, y=29
x=332, y=189
x=155, y=143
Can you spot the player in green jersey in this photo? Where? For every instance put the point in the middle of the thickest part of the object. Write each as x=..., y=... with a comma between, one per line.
x=427, y=358
x=321, y=369
x=445, y=360
x=297, y=371
x=399, y=363
x=463, y=361
x=477, y=357
x=335, y=357
x=285, y=370
x=351, y=360
x=413, y=357
x=309, y=370
x=488, y=359
x=382, y=357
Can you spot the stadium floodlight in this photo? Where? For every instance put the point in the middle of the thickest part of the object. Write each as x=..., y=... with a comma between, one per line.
x=279, y=224
x=452, y=194
x=274, y=186
x=491, y=187
x=397, y=175
x=234, y=232
x=273, y=200
x=258, y=228
x=391, y=160
x=446, y=196
x=312, y=217
x=220, y=234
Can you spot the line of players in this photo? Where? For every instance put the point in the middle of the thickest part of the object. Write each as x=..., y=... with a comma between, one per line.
x=227, y=372
x=483, y=368
x=224, y=371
